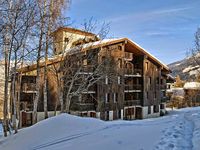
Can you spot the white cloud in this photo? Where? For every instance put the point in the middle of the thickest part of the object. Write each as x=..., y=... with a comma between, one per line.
x=149, y=15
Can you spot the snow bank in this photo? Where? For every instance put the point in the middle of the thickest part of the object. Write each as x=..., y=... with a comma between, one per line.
x=180, y=130
x=1, y=130
x=196, y=131
x=52, y=130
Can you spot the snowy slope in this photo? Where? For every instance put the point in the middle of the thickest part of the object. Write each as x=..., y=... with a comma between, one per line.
x=1, y=130
x=187, y=68
x=178, y=131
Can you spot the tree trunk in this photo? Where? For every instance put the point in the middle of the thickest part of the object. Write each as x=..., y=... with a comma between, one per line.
x=5, y=108
x=45, y=93
x=14, y=103
x=18, y=99
x=36, y=100
x=61, y=99
x=67, y=104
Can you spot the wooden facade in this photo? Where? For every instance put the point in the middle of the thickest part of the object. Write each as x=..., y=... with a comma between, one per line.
x=137, y=92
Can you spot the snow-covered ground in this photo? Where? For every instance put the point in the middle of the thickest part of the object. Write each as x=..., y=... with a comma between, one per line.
x=1, y=130
x=180, y=130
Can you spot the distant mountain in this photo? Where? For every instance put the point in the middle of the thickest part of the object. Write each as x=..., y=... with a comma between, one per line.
x=187, y=68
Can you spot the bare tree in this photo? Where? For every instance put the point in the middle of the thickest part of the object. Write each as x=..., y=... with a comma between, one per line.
x=50, y=15
x=83, y=69
x=16, y=22
x=21, y=23
x=195, y=52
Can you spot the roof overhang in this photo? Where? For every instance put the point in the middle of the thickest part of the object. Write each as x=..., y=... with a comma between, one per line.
x=130, y=46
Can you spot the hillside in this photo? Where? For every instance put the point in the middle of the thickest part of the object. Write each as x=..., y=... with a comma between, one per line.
x=187, y=68
x=179, y=130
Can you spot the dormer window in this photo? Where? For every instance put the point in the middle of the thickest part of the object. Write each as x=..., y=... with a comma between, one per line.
x=66, y=40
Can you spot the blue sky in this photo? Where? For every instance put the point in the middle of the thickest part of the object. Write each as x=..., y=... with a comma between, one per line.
x=163, y=27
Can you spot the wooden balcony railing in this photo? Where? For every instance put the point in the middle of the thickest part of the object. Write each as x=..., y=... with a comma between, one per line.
x=132, y=102
x=133, y=71
x=161, y=86
x=128, y=56
x=133, y=87
x=165, y=99
x=29, y=87
x=81, y=106
x=87, y=69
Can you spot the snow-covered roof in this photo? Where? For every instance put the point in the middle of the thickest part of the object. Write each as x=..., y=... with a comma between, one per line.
x=192, y=85
x=97, y=44
x=105, y=42
x=145, y=51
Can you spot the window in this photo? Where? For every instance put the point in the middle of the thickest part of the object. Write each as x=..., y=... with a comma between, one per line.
x=149, y=80
x=119, y=80
x=115, y=97
x=120, y=47
x=106, y=80
x=149, y=109
x=66, y=40
x=147, y=95
x=107, y=115
x=162, y=106
x=119, y=114
x=163, y=93
x=120, y=63
x=161, y=81
x=147, y=65
x=155, y=108
x=135, y=81
x=157, y=80
x=107, y=97
x=135, y=96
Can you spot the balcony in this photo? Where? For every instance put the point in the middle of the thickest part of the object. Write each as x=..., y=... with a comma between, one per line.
x=90, y=90
x=133, y=88
x=26, y=106
x=164, y=99
x=29, y=88
x=163, y=87
x=131, y=102
x=81, y=106
x=133, y=72
x=88, y=69
x=128, y=56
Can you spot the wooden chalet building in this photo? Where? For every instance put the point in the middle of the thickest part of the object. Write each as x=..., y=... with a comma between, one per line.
x=139, y=91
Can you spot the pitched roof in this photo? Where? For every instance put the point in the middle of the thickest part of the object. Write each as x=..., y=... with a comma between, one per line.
x=132, y=45
x=128, y=41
